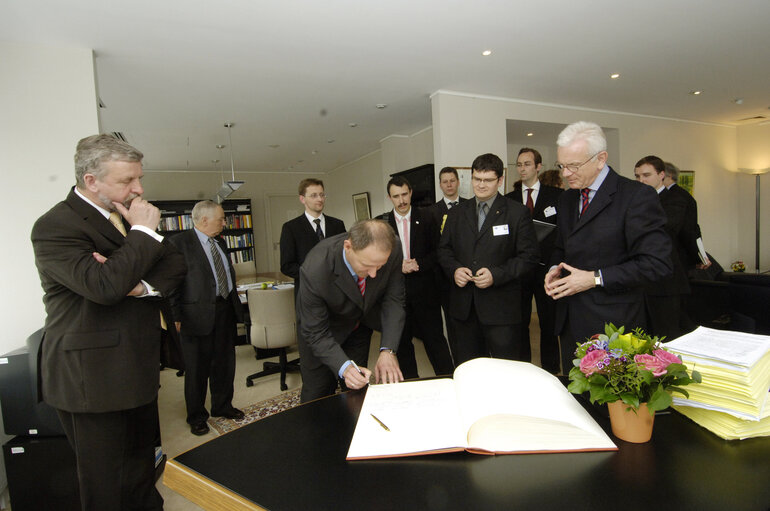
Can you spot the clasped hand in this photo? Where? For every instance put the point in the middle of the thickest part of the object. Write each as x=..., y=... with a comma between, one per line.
x=483, y=278
x=576, y=282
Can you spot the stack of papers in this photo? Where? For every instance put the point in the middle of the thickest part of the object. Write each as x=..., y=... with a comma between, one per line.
x=732, y=401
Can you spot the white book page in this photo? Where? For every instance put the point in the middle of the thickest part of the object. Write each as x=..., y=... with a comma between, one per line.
x=518, y=406
x=421, y=416
x=722, y=345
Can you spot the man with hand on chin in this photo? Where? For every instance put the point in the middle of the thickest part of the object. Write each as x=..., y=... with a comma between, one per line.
x=101, y=264
x=350, y=284
x=610, y=241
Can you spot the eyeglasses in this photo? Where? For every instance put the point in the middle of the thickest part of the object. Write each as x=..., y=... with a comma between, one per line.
x=316, y=196
x=485, y=181
x=574, y=168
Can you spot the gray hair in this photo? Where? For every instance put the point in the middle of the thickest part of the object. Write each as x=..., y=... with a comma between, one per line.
x=672, y=171
x=203, y=209
x=588, y=132
x=372, y=231
x=92, y=151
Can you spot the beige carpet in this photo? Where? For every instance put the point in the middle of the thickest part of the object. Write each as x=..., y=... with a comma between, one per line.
x=266, y=408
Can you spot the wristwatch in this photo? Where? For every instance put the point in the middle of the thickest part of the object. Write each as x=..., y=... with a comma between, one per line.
x=388, y=350
x=597, y=278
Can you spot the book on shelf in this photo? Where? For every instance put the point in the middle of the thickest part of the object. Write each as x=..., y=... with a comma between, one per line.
x=490, y=406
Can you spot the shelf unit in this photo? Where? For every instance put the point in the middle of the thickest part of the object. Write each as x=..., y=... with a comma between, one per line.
x=238, y=234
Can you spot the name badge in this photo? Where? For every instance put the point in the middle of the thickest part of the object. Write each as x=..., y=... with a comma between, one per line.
x=500, y=230
x=549, y=211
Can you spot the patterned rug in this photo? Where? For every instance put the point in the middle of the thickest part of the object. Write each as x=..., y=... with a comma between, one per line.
x=257, y=411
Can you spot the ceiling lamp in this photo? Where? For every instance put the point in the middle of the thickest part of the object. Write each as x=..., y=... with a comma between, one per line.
x=228, y=187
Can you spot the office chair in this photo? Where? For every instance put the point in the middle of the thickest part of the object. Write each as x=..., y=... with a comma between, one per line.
x=245, y=270
x=749, y=295
x=273, y=326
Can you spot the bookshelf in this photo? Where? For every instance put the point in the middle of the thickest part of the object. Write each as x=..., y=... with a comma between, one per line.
x=238, y=234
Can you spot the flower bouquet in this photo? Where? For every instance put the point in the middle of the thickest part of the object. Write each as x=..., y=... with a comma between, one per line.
x=629, y=367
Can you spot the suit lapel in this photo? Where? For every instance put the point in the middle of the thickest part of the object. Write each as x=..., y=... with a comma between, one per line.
x=345, y=281
x=602, y=199
x=94, y=218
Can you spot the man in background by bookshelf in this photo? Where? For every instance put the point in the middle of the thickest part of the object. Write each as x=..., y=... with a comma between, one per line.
x=541, y=202
x=301, y=234
x=103, y=268
x=350, y=284
x=206, y=311
x=419, y=235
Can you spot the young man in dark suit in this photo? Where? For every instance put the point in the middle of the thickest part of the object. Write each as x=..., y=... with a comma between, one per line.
x=664, y=298
x=104, y=270
x=449, y=182
x=487, y=246
x=419, y=235
x=610, y=241
x=541, y=201
x=350, y=284
x=301, y=234
x=206, y=311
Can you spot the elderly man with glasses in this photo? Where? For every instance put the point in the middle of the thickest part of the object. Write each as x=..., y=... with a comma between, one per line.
x=610, y=241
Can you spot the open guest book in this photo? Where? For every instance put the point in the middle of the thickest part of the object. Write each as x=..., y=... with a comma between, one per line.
x=491, y=406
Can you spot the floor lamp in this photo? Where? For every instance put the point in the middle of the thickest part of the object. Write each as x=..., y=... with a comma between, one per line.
x=757, y=174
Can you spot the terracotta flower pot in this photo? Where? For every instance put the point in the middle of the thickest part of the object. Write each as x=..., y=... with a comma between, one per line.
x=630, y=426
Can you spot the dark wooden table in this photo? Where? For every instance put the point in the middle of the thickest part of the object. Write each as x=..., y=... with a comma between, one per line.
x=295, y=460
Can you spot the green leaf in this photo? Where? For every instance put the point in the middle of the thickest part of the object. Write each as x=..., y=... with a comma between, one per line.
x=660, y=400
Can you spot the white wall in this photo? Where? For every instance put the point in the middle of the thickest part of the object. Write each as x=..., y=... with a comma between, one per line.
x=48, y=103
x=466, y=126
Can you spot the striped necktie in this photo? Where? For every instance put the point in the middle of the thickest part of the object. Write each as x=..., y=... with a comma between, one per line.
x=318, y=231
x=584, y=197
x=361, y=284
x=219, y=268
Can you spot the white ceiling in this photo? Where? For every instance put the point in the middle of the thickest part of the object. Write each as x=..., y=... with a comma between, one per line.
x=295, y=73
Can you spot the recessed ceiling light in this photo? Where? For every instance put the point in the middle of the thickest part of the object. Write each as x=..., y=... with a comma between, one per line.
x=486, y=53
x=315, y=151
x=738, y=101
x=353, y=124
x=274, y=146
x=696, y=92
x=380, y=106
x=330, y=141
x=530, y=134
x=615, y=75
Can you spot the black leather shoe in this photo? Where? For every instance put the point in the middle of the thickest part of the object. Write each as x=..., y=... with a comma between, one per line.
x=233, y=413
x=199, y=428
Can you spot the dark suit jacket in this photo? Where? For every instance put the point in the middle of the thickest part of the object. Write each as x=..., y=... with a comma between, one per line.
x=687, y=247
x=508, y=256
x=622, y=234
x=548, y=196
x=440, y=209
x=423, y=243
x=297, y=238
x=330, y=306
x=194, y=301
x=681, y=226
x=101, y=348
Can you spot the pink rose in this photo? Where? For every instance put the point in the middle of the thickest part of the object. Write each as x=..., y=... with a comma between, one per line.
x=658, y=362
x=593, y=362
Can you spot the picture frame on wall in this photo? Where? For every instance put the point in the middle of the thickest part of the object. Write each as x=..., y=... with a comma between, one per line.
x=687, y=180
x=361, y=206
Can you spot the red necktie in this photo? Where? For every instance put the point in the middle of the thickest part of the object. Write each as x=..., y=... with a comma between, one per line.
x=584, y=196
x=362, y=285
x=530, y=204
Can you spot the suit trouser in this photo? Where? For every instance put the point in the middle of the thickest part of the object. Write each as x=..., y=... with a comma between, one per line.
x=115, y=454
x=317, y=379
x=423, y=320
x=546, y=312
x=210, y=361
x=475, y=339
